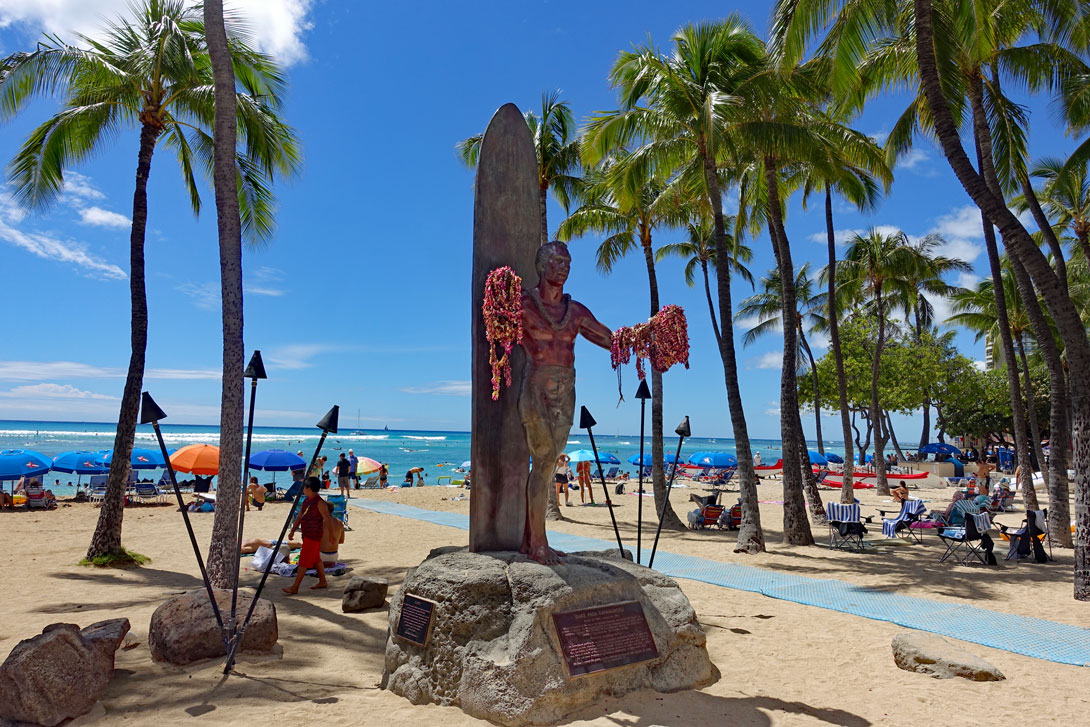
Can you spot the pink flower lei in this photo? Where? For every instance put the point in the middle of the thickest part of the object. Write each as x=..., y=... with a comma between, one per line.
x=663, y=340
x=502, y=321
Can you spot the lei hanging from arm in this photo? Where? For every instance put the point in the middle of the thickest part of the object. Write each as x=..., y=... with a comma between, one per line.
x=502, y=321
x=663, y=340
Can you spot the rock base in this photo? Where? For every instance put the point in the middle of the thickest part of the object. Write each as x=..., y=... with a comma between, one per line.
x=364, y=593
x=184, y=629
x=927, y=654
x=493, y=649
x=59, y=674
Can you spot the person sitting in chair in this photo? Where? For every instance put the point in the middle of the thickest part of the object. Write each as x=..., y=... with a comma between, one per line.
x=900, y=492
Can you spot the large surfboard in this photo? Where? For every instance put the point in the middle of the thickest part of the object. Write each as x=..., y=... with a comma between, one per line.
x=506, y=231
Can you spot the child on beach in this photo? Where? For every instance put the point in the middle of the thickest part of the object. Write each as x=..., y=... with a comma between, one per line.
x=312, y=521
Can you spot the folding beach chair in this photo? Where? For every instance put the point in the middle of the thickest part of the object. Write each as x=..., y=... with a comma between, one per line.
x=611, y=473
x=911, y=512
x=731, y=519
x=1028, y=540
x=370, y=483
x=147, y=492
x=706, y=516
x=964, y=544
x=846, y=529
x=338, y=508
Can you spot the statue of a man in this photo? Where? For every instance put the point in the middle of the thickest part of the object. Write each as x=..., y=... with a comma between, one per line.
x=550, y=322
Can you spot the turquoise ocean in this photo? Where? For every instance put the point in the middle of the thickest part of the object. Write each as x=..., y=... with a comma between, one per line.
x=437, y=452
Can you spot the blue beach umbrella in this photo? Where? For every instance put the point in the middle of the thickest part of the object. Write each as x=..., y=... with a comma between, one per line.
x=276, y=460
x=80, y=462
x=586, y=455
x=16, y=463
x=141, y=459
x=817, y=458
x=834, y=458
x=713, y=459
x=939, y=448
x=635, y=459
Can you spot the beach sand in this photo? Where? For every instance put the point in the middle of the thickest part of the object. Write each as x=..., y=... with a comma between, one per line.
x=782, y=663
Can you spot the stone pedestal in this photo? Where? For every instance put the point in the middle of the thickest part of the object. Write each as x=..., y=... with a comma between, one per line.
x=493, y=649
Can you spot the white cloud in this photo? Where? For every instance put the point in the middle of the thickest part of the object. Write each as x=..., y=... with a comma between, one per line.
x=452, y=388
x=205, y=296
x=80, y=187
x=962, y=231
x=255, y=290
x=819, y=342
x=49, y=247
x=773, y=409
x=53, y=370
x=276, y=27
x=299, y=355
x=745, y=323
x=103, y=218
x=53, y=391
x=772, y=360
x=913, y=159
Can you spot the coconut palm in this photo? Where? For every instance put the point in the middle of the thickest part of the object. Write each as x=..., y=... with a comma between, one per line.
x=698, y=249
x=150, y=71
x=672, y=111
x=875, y=269
x=556, y=147
x=629, y=212
x=767, y=306
x=1066, y=197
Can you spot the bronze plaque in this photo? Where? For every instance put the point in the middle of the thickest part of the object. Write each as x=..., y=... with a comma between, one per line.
x=604, y=637
x=414, y=623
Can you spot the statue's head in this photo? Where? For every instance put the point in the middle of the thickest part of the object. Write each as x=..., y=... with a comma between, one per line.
x=553, y=262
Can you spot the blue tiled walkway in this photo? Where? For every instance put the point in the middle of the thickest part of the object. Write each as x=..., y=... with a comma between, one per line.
x=1034, y=637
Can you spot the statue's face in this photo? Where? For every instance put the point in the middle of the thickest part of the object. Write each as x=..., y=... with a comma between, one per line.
x=557, y=267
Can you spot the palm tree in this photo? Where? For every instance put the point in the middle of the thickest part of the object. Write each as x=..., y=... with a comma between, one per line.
x=875, y=269
x=767, y=307
x=629, y=211
x=151, y=71
x=976, y=310
x=699, y=249
x=1066, y=197
x=672, y=111
x=556, y=148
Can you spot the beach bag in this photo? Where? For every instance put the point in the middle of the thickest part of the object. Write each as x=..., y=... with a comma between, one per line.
x=261, y=557
x=619, y=489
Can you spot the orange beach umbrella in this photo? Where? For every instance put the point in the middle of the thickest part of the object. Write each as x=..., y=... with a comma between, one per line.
x=197, y=459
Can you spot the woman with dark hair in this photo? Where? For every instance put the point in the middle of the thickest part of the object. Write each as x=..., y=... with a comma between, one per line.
x=312, y=521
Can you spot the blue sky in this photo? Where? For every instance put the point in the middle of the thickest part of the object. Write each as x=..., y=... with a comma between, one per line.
x=362, y=297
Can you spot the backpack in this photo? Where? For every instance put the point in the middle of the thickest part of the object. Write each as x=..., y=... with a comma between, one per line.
x=619, y=489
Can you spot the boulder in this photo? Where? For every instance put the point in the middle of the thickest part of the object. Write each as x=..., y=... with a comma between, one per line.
x=184, y=629
x=929, y=654
x=363, y=593
x=59, y=674
x=494, y=650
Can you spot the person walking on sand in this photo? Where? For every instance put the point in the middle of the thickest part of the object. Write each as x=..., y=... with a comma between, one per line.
x=343, y=481
x=312, y=521
x=583, y=468
x=561, y=478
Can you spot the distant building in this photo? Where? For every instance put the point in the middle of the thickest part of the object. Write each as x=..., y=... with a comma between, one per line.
x=989, y=352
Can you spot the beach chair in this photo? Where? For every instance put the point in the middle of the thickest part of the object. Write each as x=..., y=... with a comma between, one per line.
x=912, y=511
x=964, y=544
x=820, y=478
x=147, y=492
x=706, y=516
x=1028, y=539
x=962, y=509
x=370, y=483
x=731, y=519
x=611, y=473
x=846, y=528
x=338, y=508
x=35, y=497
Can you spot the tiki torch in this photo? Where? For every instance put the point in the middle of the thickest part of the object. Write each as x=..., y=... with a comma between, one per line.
x=682, y=431
x=586, y=421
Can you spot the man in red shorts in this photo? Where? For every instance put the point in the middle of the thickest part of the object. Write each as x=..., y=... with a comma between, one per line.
x=311, y=522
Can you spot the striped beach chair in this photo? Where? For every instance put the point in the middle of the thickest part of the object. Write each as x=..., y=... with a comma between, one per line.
x=911, y=512
x=969, y=542
x=338, y=508
x=846, y=529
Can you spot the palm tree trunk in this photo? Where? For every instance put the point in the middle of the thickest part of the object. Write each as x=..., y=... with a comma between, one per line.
x=223, y=550
x=1041, y=219
x=543, y=205
x=893, y=438
x=107, y=538
x=658, y=475
x=1031, y=415
x=926, y=408
x=750, y=535
x=1084, y=243
x=847, y=494
x=1063, y=310
x=875, y=406
x=817, y=393
x=983, y=143
x=796, y=528
x=809, y=480
x=711, y=304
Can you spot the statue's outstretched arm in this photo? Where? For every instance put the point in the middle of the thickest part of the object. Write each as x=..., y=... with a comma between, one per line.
x=594, y=331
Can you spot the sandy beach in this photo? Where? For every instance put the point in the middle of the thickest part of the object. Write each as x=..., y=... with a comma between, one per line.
x=782, y=663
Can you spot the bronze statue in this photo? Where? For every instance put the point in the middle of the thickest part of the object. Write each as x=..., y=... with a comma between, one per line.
x=551, y=320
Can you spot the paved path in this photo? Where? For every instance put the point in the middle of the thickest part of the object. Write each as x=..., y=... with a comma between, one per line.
x=1034, y=637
